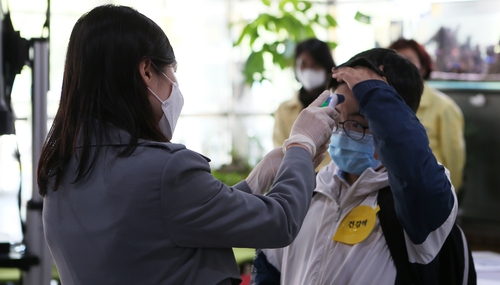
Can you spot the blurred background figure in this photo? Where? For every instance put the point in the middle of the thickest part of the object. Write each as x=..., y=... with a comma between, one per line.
x=313, y=65
x=440, y=115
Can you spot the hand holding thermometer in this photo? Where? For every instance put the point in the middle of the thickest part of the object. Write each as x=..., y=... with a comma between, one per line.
x=333, y=100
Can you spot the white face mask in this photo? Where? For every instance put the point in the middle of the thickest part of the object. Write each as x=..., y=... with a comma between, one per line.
x=171, y=109
x=311, y=78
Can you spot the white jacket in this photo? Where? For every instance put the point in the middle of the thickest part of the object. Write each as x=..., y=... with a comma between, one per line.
x=320, y=260
x=424, y=204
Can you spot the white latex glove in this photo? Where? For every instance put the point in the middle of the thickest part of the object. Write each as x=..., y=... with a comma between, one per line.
x=262, y=176
x=313, y=127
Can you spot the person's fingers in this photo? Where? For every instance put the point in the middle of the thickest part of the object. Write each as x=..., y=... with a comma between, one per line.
x=333, y=116
x=340, y=74
x=353, y=75
x=335, y=74
x=341, y=70
x=323, y=148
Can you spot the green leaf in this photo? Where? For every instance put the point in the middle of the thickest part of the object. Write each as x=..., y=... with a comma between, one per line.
x=332, y=45
x=283, y=3
x=331, y=21
x=245, y=32
x=262, y=19
x=254, y=64
x=280, y=60
x=295, y=28
x=310, y=31
x=287, y=25
x=254, y=34
x=270, y=23
x=271, y=48
x=316, y=18
x=362, y=18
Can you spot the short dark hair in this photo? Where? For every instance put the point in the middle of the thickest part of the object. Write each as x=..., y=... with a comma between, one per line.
x=319, y=51
x=102, y=88
x=399, y=72
x=424, y=58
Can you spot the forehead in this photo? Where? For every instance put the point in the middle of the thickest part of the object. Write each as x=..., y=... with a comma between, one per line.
x=305, y=60
x=350, y=104
x=304, y=57
x=349, y=109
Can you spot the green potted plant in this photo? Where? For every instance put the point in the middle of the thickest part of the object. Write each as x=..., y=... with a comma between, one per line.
x=272, y=36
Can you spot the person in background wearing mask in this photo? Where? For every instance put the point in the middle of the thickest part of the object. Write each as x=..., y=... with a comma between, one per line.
x=380, y=152
x=313, y=63
x=125, y=205
x=440, y=115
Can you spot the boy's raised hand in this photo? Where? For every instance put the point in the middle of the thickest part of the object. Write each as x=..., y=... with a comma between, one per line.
x=354, y=75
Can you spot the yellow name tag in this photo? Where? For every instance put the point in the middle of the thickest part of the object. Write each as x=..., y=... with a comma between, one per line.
x=357, y=225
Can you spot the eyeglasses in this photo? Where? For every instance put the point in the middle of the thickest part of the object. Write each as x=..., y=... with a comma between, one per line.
x=353, y=129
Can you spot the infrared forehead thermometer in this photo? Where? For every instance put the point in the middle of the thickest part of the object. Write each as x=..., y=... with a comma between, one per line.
x=333, y=100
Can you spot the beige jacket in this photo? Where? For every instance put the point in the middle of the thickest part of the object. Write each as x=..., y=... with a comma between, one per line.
x=444, y=123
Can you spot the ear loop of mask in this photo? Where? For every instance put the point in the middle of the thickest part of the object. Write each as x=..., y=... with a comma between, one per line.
x=155, y=95
x=159, y=70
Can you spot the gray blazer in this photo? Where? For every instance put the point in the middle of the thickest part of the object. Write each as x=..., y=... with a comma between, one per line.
x=160, y=217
